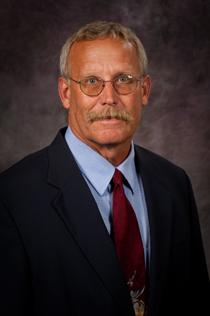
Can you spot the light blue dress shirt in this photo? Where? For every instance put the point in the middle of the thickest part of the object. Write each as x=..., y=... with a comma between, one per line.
x=98, y=172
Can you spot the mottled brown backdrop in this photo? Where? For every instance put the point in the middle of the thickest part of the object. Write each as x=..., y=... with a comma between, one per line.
x=176, y=35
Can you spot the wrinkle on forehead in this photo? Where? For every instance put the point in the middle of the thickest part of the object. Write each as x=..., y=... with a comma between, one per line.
x=101, y=55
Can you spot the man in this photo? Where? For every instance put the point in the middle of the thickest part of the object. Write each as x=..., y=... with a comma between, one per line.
x=77, y=217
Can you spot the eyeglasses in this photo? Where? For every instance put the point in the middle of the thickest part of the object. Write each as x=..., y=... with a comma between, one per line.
x=93, y=86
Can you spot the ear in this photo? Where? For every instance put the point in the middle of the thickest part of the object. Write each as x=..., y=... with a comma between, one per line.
x=146, y=88
x=64, y=92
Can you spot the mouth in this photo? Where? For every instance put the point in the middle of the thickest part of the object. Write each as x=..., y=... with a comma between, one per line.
x=108, y=118
x=109, y=124
x=111, y=119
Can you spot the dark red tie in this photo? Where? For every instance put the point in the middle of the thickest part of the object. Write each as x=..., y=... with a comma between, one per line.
x=128, y=244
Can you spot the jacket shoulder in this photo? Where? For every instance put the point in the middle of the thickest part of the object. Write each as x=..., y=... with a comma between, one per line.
x=161, y=168
x=28, y=169
x=155, y=159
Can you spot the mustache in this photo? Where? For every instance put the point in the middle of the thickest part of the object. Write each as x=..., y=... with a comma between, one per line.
x=108, y=114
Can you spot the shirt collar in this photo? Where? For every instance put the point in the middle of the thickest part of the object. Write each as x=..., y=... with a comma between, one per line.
x=96, y=169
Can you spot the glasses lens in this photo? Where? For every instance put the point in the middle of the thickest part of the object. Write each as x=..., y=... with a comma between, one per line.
x=91, y=86
x=125, y=84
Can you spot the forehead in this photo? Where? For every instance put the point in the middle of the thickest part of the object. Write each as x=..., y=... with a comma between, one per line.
x=103, y=54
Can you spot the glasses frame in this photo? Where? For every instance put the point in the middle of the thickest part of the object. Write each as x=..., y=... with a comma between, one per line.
x=104, y=83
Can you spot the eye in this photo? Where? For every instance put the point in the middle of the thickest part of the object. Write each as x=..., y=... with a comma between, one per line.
x=124, y=78
x=91, y=81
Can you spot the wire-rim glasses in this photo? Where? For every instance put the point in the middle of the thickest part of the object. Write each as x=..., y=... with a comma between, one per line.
x=123, y=84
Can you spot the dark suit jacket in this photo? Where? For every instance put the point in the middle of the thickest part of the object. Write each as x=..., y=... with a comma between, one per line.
x=57, y=257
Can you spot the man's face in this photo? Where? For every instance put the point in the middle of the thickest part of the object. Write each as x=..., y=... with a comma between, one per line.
x=104, y=58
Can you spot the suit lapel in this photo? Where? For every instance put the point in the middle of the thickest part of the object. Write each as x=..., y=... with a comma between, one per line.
x=78, y=210
x=159, y=206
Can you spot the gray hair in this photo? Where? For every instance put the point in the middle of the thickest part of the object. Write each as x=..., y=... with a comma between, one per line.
x=103, y=29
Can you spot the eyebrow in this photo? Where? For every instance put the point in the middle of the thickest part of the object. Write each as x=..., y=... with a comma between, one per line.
x=114, y=76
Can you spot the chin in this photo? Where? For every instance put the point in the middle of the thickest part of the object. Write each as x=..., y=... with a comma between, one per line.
x=111, y=139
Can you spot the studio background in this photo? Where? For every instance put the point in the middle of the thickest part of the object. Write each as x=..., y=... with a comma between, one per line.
x=176, y=35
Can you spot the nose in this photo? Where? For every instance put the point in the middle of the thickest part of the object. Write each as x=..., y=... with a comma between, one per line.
x=108, y=95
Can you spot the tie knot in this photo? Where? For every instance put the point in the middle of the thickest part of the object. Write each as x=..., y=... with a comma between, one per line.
x=117, y=177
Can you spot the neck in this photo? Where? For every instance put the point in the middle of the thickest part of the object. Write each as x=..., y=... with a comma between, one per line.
x=113, y=153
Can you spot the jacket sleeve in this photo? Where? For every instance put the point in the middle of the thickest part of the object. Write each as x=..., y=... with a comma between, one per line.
x=14, y=271
x=200, y=287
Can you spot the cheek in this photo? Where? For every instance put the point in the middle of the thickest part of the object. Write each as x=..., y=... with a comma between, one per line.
x=80, y=105
x=134, y=108
x=79, y=109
